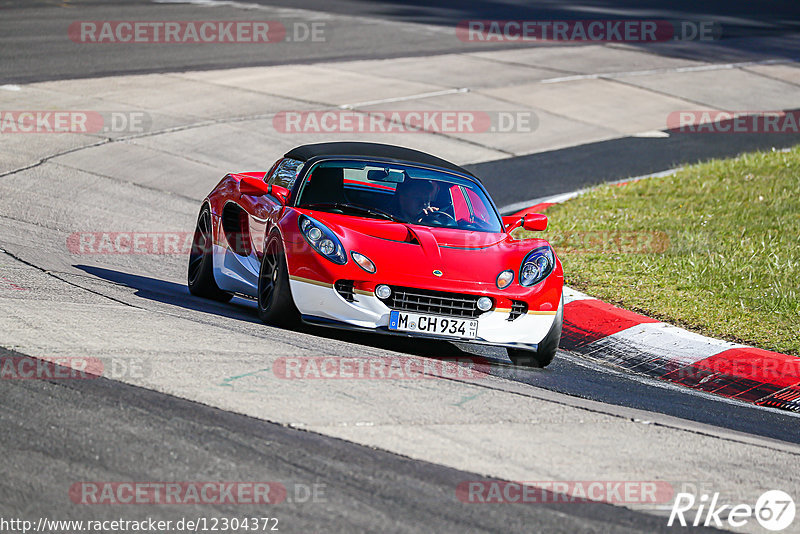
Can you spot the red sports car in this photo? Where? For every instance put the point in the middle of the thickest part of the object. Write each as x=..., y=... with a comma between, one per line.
x=380, y=238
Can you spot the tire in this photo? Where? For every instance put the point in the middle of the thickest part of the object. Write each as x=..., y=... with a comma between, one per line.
x=275, y=304
x=547, y=349
x=200, y=276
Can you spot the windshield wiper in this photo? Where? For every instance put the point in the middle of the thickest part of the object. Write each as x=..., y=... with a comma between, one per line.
x=361, y=209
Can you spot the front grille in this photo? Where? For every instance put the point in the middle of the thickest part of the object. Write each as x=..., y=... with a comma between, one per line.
x=518, y=308
x=345, y=289
x=436, y=302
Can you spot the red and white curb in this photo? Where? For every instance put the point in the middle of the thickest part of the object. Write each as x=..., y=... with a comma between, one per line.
x=613, y=336
x=606, y=334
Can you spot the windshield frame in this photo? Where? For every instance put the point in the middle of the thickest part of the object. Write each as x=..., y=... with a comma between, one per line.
x=312, y=163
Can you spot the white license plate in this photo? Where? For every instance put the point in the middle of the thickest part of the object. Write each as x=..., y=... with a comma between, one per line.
x=433, y=324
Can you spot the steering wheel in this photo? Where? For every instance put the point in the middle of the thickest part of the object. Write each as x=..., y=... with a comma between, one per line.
x=439, y=217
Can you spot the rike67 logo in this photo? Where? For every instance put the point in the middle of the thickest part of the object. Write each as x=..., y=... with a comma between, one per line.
x=774, y=510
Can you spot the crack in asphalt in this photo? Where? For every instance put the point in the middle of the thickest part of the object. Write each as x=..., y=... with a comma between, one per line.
x=54, y=274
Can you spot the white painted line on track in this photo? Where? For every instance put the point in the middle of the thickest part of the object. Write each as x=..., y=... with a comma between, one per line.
x=651, y=72
x=406, y=98
x=652, y=134
x=552, y=199
x=563, y=197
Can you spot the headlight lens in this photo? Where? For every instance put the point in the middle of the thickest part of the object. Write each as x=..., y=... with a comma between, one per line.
x=327, y=247
x=363, y=262
x=485, y=304
x=314, y=234
x=537, y=266
x=505, y=278
x=322, y=239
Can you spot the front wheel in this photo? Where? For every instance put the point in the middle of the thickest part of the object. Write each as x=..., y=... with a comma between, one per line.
x=547, y=348
x=275, y=304
x=201, y=262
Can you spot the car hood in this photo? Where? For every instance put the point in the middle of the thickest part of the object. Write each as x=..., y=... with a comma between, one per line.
x=415, y=252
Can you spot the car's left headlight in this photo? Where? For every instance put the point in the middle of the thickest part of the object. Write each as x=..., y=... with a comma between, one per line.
x=537, y=265
x=322, y=239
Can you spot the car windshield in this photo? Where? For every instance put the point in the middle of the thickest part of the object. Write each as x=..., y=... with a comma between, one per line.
x=402, y=193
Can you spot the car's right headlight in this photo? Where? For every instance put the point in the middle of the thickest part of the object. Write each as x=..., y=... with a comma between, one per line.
x=537, y=265
x=322, y=239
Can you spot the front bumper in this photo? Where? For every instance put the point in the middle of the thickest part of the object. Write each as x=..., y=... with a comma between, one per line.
x=319, y=303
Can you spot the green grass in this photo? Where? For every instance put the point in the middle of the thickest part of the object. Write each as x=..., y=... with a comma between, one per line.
x=729, y=231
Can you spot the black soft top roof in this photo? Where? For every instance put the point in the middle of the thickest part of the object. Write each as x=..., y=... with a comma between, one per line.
x=376, y=150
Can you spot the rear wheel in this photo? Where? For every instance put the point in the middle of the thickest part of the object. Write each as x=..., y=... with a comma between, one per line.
x=275, y=304
x=547, y=348
x=201, y=262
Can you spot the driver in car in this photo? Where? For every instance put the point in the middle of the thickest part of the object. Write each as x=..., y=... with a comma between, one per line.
x=412, y=199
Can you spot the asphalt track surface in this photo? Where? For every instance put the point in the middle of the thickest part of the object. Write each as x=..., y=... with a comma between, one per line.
x=106, y=430
x=332, y=486
x=568, y=375
x=33, y=45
